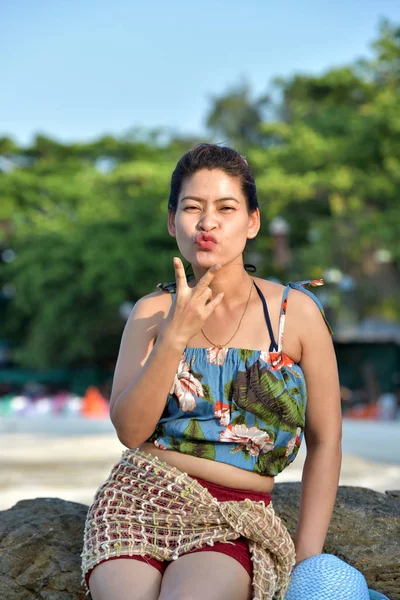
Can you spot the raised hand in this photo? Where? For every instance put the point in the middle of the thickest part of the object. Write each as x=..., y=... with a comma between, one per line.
x=192, y=306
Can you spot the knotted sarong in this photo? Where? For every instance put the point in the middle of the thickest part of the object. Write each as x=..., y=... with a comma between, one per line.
x=148, y=508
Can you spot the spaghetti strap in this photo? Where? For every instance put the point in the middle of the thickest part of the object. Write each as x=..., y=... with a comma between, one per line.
x=282, y=316
x=273, y=345
x=167, y=287
x=300, y=286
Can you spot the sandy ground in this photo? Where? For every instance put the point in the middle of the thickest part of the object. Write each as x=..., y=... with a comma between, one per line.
x=70, y=458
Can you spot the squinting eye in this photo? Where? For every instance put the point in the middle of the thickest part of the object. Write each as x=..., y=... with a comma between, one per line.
x=223, y=208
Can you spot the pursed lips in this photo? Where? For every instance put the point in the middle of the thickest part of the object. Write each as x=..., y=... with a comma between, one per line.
x=205, y=238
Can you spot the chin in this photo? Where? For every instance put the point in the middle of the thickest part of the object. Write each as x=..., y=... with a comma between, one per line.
x=207, y=260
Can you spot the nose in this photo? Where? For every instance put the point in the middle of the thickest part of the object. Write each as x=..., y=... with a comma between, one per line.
x=208, y=221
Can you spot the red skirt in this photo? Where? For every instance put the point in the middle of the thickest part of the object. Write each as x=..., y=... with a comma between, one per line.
x=238, y=549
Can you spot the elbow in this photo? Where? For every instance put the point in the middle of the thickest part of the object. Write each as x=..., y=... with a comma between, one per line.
x=131, y=432
x=125, y=436
x=128, y=444
x=129, y=437
x=126, y=441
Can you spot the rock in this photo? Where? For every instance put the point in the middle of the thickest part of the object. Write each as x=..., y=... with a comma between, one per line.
x=40, y=546
x=364, y=532
x=41, y=541
x=393, y=493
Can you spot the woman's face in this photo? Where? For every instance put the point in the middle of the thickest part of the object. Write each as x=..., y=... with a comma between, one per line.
x=212, y=202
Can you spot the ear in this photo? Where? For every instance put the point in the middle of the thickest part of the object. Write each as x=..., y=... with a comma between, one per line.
x=171, y=224
x=254, y=224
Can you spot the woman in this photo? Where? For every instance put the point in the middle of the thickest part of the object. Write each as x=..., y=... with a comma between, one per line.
x=209, y=396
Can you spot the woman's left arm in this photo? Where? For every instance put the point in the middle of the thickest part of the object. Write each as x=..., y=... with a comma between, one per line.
x=323, y=430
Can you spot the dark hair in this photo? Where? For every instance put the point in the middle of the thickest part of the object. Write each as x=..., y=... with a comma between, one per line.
x=212, y=156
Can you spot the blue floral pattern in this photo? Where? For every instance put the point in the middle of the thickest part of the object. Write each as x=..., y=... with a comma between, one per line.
x=242, y=407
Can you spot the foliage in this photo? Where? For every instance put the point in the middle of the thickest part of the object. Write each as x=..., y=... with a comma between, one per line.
x=88, y=220
x=332, y=170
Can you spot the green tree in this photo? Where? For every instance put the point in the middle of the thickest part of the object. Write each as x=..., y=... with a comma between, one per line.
x=89, y=239
x=236, y=117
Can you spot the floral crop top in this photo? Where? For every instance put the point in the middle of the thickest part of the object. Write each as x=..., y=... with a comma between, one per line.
x=242, y=407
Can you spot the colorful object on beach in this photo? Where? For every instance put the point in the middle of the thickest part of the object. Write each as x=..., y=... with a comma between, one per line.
x=39, y=407
x=94, y=405
x=63, y=403
x=19, y=405
x=73, y=405
x=6, y=405
x=369, y=411
x=327, y=577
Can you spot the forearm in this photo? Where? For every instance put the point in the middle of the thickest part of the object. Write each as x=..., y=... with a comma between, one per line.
x=318, y=492
x=138, y=408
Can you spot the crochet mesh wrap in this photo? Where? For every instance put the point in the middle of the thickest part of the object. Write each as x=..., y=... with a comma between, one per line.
x=146, y=507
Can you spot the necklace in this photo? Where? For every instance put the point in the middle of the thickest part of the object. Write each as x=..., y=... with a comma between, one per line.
x=224, y=345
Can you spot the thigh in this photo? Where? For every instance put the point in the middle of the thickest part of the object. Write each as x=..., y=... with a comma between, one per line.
x=210, y=575
x=125, y=579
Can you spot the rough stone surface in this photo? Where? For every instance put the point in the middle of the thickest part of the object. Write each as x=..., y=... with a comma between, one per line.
x=40, y=546
x=364, y=531
x=41, y=541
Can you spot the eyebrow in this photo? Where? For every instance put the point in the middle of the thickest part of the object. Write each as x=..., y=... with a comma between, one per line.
x=202, y=200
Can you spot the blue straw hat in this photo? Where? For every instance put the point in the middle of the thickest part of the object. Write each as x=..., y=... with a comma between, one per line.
x=327, y=577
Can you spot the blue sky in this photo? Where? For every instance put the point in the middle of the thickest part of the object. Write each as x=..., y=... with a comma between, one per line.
x=75, y=70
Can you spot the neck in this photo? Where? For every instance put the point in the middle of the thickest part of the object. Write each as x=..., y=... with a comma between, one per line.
x=232, y=279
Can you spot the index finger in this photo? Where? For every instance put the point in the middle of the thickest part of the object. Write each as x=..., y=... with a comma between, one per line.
x=207, y=278
x=180, y=275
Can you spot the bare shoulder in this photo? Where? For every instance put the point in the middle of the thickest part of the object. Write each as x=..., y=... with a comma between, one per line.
x=271, y=290
x=152, y=308
x=153, y=303
x=304, y=319
x=309, y=321
x=299, y=301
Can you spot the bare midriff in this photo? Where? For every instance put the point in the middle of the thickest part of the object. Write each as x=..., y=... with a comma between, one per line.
x=210, y=470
